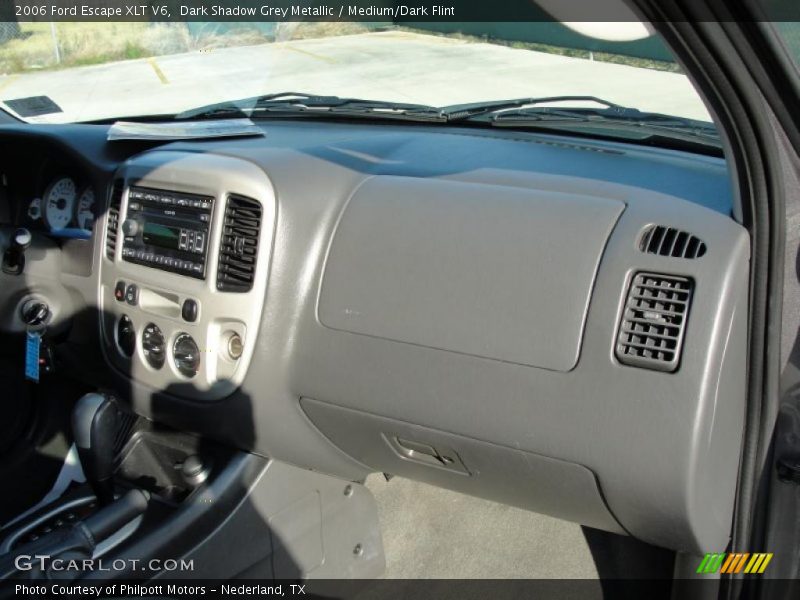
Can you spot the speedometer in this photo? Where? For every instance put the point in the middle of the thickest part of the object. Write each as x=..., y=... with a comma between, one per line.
x=84, y=213
x=59, y=203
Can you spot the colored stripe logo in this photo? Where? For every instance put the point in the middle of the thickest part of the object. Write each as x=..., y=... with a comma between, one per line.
x=735, y=562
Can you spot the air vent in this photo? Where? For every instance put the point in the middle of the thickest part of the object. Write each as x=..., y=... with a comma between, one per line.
x=652, y=327
x=112, y=219
x=239, y=248
x=668, y=241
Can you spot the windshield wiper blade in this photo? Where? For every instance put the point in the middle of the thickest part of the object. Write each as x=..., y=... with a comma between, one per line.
x=644, y=122
x=464, y=112
x=630, y=116
x=523, y=110
x=301, y=104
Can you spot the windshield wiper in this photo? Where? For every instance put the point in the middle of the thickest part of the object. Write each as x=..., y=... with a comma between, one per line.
x=464, y=112
x=529, y=112
x=613, y=119
x=301, y=104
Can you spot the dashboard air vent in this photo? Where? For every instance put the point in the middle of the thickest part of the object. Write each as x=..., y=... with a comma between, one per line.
x=112, y=219
x=668, y=241
x=653, y=324
x=239, y=247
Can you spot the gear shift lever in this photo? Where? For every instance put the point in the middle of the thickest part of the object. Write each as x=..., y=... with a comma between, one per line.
x=95, y=425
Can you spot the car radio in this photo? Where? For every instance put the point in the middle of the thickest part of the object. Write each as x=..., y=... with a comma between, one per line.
x=167, y=230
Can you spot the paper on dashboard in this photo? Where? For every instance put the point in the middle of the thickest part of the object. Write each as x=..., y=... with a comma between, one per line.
x=183, y=130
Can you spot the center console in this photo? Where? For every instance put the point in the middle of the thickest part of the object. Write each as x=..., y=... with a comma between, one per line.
x=184, y=269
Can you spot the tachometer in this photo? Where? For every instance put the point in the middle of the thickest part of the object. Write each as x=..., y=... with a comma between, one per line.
x=84, y=213
x=59, y=203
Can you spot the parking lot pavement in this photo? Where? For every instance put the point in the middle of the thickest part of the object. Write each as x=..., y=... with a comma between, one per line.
x=389, y=65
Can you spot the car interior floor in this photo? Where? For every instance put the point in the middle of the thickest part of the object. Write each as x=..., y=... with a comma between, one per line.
x=434, y=533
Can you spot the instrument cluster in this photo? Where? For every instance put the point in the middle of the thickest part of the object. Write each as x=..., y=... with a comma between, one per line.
x=65, y=207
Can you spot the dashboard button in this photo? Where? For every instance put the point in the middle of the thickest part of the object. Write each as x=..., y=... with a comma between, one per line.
x=132, y=295
x=119, y=291
x=189, y=310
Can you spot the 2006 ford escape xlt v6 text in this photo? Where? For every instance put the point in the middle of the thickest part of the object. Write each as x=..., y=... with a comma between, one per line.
x=291, y=302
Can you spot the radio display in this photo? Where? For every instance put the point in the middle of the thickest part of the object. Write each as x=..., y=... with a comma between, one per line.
x=164, y=236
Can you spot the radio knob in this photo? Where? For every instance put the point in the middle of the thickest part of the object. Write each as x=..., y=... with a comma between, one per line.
x=130, y=227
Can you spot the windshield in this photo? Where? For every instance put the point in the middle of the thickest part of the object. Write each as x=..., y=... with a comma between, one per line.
x=86, y=71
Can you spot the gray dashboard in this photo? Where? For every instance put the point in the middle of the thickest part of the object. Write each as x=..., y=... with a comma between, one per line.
x=447, y=304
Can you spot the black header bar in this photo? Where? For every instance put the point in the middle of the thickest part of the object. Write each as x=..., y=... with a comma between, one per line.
x=393, y=11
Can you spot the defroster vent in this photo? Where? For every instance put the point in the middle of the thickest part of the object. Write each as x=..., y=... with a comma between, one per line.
x=654, y=322
x=239, y=248
x=112, y=218
x=668, y=241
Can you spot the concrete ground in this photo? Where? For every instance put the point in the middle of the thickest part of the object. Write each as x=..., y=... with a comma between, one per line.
x=391, y=65
x=431, y=533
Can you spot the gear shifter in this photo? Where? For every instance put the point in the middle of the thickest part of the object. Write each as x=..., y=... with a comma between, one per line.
x=96, y=421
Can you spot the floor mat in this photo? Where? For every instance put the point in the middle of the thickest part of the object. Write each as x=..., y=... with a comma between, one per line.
x=432, y=533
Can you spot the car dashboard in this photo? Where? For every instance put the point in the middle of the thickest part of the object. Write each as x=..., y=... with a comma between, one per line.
x=503, y=313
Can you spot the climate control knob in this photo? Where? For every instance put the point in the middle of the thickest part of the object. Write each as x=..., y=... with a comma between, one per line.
x=153, y=346
x=186, y=355
x=126, y=336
